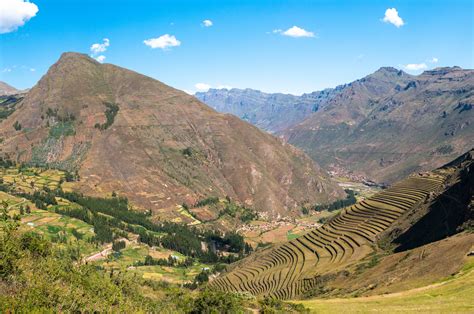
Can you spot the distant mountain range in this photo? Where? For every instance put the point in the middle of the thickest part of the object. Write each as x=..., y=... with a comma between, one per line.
x=271, y=112
x=158, y=146
x=383, y=126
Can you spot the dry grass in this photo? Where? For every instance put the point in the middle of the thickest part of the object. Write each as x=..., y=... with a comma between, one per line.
x=454, y=295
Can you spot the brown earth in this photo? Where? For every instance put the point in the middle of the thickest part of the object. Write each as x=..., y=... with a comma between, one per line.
x=163, y=148
x=391, y=124
x=407, y=270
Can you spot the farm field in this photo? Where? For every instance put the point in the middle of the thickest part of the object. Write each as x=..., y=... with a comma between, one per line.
x=134, y=252
x=362, y=190
x=64, y=230
x=27, y=179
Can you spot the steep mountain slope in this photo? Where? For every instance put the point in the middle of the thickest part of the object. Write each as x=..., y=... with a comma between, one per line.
x=387, y=129
x=270, y=112
x=384, y=126
x=6, y=89
x=349, y=245
x=160, y=147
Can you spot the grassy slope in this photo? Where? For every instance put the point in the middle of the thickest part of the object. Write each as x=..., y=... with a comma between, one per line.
x=453, y=295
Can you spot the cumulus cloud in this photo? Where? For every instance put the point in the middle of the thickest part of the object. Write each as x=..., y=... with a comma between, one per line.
x=202, y=87
x=415, y=66
x=295, y=32
x=163, y=42
x=434, y=60
x=207, y=23
x=392, y=17
x=99, y=48
x=100, y=58
x=15, y=13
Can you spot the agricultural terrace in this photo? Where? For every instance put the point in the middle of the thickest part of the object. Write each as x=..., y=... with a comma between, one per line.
x=291, y=269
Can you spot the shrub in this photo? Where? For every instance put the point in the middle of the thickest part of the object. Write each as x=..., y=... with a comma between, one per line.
x=110, y=113
x=209, y=301
x=17, y=126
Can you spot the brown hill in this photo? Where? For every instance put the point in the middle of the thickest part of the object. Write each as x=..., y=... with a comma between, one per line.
x=383, y=126
x=390, y=124
x=129, y=133
x=6, y=89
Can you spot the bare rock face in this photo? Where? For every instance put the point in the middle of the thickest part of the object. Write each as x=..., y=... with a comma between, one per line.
x=160, y=147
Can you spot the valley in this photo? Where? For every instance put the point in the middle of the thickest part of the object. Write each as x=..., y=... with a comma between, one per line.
x=279, y=232
x=236, y=157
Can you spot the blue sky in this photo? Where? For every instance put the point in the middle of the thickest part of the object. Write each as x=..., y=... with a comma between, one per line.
x=250, y=43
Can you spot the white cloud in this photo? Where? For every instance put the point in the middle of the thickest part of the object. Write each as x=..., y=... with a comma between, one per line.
x=6, y=70
x=207, y=23
x=202, y=87
x=15, y=13
x=32, y=70
x=98, y=48
x=163, y=42
x=100, y=58
x=295, y=32
x=392, y=17
x=415, y=66
x=434, y=60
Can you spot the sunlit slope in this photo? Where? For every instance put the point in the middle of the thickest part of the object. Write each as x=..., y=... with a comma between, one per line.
x=293, y=268
x=451, y=296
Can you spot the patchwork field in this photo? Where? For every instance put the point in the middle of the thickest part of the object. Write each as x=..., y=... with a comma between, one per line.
x=65, y=230
x=27, y=179
x=57, y=228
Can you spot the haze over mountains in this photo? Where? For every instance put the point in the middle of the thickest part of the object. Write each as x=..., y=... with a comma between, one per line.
x=271, y=112
x=383, y=126
x=158, y=146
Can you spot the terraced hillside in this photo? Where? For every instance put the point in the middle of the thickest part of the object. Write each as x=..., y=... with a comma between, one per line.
x=293, y=268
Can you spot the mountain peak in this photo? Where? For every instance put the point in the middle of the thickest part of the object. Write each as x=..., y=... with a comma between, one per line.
x=156, y=145
x=389, y=71
x=71, y=55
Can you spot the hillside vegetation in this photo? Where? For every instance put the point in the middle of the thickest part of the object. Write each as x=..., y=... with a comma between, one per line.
x=65, y=251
